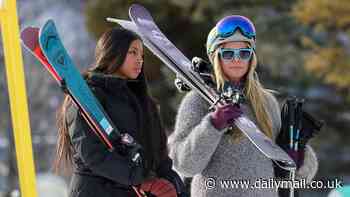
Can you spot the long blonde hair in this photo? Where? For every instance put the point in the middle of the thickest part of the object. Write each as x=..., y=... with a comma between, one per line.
x=254, y=91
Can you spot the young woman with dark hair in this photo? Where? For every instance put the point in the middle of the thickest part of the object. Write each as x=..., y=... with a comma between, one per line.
x=118, y=82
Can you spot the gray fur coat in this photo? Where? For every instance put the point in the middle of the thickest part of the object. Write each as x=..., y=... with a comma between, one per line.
x=201, y=151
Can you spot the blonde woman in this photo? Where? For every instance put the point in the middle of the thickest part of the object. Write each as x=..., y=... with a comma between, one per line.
x=222, y=161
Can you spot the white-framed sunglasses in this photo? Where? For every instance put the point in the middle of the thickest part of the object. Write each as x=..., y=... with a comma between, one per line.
x=228, y=54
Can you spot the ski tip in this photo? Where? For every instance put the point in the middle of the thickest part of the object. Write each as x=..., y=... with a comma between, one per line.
x=48, y=23
x=46, y=30
x=135, y=5
x=134, y=8
x=124, y=23
x=113, y=20
x=138, y=12
x=29, y=37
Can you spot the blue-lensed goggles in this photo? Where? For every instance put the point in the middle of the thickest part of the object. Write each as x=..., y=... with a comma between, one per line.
x=228, y=25
x=228, y=54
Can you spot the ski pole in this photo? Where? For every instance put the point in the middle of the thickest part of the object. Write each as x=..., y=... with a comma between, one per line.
x=292, y=178
x=299, y=119
x=291, y=117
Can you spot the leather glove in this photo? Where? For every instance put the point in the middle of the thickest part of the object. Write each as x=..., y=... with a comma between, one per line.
x=179, y=185
x=224, y=116
x=158, y=187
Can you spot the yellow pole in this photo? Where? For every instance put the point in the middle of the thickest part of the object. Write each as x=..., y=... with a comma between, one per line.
x=18, y=97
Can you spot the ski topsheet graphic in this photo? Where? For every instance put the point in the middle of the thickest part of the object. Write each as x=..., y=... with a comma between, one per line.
x=46, y=46
x=143, y=24
x=57, y=56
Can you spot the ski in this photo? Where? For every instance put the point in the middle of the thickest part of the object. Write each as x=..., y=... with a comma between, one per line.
x=181, y=65
x=52, y=54
x=132, y=27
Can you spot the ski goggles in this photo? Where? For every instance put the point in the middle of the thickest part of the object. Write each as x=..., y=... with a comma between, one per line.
x=225, y=29
x=228, y=54
x=228, y=25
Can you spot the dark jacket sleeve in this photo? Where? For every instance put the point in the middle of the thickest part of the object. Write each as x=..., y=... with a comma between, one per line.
x=94, y=154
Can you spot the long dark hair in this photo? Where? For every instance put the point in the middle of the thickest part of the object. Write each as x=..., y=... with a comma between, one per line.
x=110, y=53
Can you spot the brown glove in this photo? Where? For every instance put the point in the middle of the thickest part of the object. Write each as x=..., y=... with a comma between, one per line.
x=158, y=187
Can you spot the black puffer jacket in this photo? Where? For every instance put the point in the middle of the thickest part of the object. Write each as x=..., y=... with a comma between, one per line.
x=98, y=172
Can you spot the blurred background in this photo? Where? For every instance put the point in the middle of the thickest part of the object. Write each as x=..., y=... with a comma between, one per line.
x=303, y=49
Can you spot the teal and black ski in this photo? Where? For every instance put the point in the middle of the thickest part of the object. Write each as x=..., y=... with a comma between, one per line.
x=45, y=45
